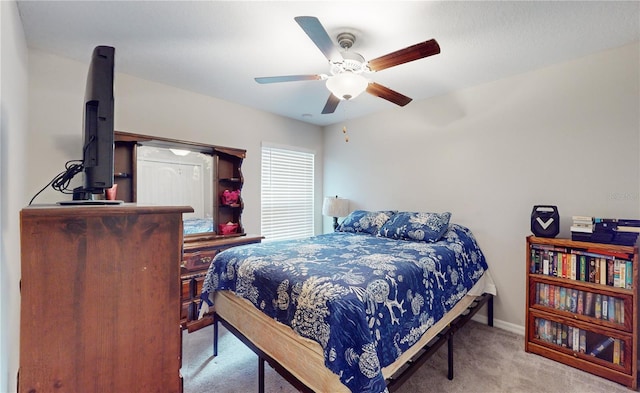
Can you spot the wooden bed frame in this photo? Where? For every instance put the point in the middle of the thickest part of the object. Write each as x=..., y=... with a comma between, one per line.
x=397, y=378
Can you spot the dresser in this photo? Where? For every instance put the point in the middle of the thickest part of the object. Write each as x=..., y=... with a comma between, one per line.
x=100, y=299
x=197, y=258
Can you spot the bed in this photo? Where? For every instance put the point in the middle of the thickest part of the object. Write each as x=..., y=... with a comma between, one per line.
x=346, y=311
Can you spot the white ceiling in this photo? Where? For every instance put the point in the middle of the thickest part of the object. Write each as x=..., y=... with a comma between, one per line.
x=216, y=48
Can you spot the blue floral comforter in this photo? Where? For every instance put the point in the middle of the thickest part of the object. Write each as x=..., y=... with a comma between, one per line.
x=365, y=299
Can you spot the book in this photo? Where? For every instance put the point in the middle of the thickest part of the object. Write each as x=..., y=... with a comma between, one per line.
x=612, y=309
x=624, y=228
x=583, y=341
x=601, y=346
x=545, y=264
x=603, y=271
x=616, y=351
x=592, y=269
x=607, y=253
x=610, y=274
x=583, y=268
x=622, y=274
x=580, y=308
x=619, y=311
x=582, y=219
x=598, y=306
x=574, y=300
x=588, y=305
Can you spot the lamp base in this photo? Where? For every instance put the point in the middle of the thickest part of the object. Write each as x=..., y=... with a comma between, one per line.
x=335, y=223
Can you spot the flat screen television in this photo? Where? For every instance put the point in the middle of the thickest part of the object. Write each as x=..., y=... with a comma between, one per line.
x=98, y=123
x=97, y=157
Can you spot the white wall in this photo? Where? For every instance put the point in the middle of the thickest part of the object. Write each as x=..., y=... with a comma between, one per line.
x=56, y=88
x=13, y=131
x=566, y=135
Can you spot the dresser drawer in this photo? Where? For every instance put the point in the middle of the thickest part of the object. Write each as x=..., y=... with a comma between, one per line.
x=199, y=260
x=185, y=307
x=186, y=292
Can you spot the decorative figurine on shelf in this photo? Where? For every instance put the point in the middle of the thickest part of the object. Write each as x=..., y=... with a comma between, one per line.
x=229, y=197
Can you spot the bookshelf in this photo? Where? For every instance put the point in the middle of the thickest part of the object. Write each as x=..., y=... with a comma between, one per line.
x=582, y=306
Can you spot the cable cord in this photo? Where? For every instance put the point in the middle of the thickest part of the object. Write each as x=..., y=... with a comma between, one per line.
x=62, y=180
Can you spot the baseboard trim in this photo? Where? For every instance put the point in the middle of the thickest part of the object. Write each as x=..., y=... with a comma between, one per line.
x=500, y=324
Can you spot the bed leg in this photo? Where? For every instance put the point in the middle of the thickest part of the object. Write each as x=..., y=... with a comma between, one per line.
x=260, y=374
x=215, y=335
x=490, y=311
x=450, y=357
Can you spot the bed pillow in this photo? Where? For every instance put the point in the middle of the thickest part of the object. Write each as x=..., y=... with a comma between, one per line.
x=365, y=221
x=427, y=227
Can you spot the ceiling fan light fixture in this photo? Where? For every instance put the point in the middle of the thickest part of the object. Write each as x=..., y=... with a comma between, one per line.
x=347, y=86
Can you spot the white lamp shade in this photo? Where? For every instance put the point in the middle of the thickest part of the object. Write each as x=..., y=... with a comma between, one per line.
x=347, y=85
x=335, y=207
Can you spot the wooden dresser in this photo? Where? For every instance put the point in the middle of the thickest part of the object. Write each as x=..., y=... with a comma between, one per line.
x=100, y=299
x=197, y=258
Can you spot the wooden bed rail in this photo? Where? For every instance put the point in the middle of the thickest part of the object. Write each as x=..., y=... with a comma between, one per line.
x=393, y=382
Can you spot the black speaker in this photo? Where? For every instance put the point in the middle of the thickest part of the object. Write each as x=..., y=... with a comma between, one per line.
x=545, y=221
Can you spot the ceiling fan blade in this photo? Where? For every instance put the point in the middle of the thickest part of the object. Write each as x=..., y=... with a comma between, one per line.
x=314, y=29
x=331, y=105
x=387, y=94
x=287, y=78
x=411, y=53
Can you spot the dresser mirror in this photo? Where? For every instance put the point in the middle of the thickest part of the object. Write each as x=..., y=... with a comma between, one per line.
x=177, y=177
x=160, y=171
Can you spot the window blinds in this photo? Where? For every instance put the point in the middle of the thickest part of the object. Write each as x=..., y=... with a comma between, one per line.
x=287, y=193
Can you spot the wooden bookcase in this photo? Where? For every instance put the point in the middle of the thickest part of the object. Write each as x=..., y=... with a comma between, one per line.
x=582, y=306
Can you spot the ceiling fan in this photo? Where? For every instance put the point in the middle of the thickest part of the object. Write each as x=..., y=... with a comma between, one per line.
x=346, y=80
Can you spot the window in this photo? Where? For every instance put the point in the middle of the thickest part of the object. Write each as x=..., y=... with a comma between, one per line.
x=287, y=193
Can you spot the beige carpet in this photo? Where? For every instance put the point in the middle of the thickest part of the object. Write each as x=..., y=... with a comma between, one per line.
x=486, y=360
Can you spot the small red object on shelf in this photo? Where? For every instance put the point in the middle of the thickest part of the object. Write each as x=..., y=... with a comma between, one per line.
x=228, y=228
x=229, y=197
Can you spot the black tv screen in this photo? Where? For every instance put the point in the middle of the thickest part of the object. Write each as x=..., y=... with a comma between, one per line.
x=98, y=142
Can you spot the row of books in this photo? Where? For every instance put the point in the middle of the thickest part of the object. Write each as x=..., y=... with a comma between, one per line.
x=605, y=230
x=579, y=340
x=608, y=308
x=612, y=269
